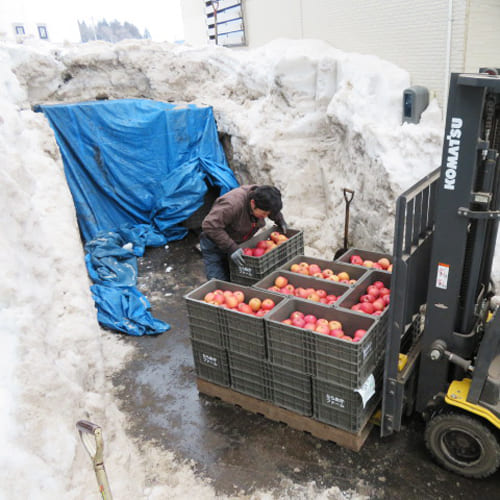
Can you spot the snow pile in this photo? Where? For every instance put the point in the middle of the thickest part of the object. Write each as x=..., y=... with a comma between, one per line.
x=301, y=115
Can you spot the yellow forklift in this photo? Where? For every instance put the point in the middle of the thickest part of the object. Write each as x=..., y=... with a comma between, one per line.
x=444, y=320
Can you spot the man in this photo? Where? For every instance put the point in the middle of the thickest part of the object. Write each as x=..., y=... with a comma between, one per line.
x=233, y=219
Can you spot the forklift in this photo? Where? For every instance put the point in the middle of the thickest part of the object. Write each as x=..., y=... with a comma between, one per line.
x=442, y=357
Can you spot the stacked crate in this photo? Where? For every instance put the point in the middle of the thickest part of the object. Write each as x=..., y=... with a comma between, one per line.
x=256, y=268
x=229, y=346
x=309, y=373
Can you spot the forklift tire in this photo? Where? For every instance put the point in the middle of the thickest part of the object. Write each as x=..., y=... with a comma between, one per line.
x=463, y=445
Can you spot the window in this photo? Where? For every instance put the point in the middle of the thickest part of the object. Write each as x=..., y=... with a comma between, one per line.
x=42, y=32
x=19, y=29
x=225, y=22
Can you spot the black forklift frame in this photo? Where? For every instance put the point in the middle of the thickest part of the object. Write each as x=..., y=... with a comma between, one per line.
x=444, y=242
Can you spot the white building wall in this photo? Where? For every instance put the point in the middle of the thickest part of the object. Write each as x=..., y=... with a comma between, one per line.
x=483, y=35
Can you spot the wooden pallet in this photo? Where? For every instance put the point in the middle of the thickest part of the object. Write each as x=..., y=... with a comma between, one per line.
x=294, y=420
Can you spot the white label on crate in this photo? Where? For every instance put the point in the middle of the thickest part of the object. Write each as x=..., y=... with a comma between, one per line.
x=209, y=360
x=367, y=390
x=367, y=350
x=442, y=276
x=334, y=400
x=247, y=271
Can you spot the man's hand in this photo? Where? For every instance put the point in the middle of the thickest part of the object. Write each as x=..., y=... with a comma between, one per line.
x=284, y=227
x=237, y=257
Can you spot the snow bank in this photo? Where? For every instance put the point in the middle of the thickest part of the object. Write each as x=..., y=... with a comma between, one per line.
x=298, y=114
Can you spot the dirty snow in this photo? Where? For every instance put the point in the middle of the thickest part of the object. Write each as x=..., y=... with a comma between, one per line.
x=298, y=114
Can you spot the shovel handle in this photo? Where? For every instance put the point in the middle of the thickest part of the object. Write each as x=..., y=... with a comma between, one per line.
x=348, y=195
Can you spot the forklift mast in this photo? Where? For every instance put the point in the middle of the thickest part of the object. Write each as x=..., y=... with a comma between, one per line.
x=444, y=244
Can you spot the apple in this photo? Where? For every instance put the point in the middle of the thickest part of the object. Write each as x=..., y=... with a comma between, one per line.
x=295, y=268
x=327, y=272
x=378, y=284
x=297, y=314
x=368, y=263
x=310, y=318
x=287, y=321
x=367, y=307
x=333, y=277
x=318, y=275
x=274, y=288
x=209, y=297
x=366, y=298
x=310, y=326
x=343, y=276
x=337, y=332
x=384, y=291
x=298, y=322
x=331, y=298
x=261, y=244
x=320, y=328
x=384, y=262
x=373, y=290
x=231, y=302
x=390, y=268
x=239, y=295
x=356, y=260
x=281, y=239
x=254, y=304
x=275, y=236
x=268, y=304
x=314, y=297
x=322, y=321
x=258, y=252
x=378, y=304
x=376, y=265
x=356, y=307
x=261, y=312
x=346, y=337
x=244, y=308
x=248, y=251
x=281, y=281
x=359, y=334
x=335, y=325
x=386, y=299
x=314, y=269
x=219, y=298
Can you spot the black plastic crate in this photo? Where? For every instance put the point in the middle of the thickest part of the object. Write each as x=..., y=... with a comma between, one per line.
x=250, y=376
x=344, y=362
x=365, y=255
x=224, y=327
x=353, y=296
x=256, y=268
x=354, y=272
x=301, y=350
x=211, y=363
x=342, y=407
x=302, y=281
x=246, y=334
x=291, y=390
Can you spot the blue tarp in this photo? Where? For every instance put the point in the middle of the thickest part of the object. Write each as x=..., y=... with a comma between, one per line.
x=136, y=170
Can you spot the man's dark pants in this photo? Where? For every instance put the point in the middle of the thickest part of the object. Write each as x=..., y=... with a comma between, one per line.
x=214, y=259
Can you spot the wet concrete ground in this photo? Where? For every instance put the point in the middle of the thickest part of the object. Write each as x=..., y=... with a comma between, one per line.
x=240, y=451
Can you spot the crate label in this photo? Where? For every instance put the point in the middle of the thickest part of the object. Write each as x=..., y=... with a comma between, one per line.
x=209, y=360
x=367, y=349
x=367, y=390
x=442, y=276
x=247, y=271
x=332, y=400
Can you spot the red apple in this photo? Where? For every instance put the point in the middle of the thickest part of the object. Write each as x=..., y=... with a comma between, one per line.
x=258, y=252
x=373, y=290
x=248, y=251
x=384, y=262
x=322, y=329
x=356, y=260
x=367, y=307
x=267, y=304
x=239, y=295
x=310, y=318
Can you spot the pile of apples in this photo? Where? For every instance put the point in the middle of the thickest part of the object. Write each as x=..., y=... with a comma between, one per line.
x=236, y=301
x=375, y=299
x=325, y=274
x=332, y=328
x=282, y=285
x=264, y=246
x=383, y=263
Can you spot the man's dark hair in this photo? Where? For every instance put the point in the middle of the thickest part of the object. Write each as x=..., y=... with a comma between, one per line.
x=267, y=198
